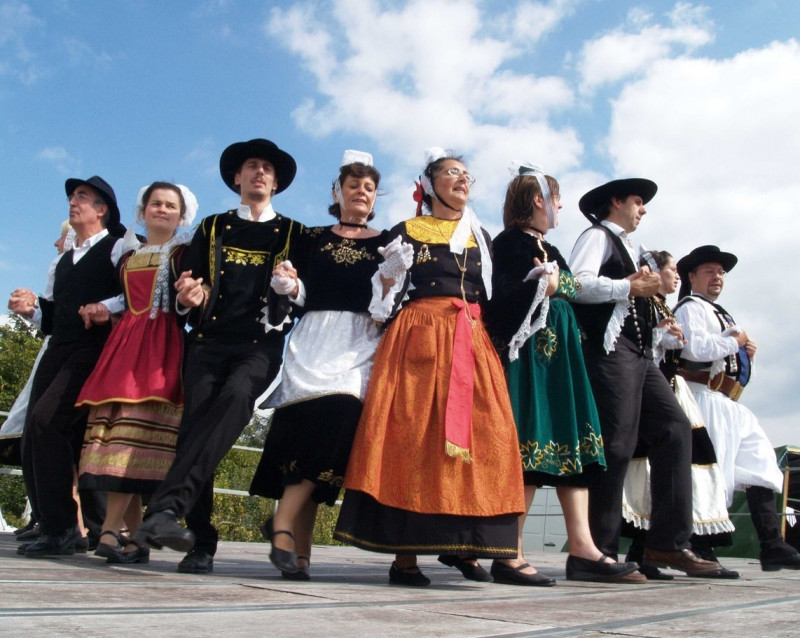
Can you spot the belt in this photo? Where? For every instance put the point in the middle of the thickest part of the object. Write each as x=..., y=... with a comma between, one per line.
x=720, y=383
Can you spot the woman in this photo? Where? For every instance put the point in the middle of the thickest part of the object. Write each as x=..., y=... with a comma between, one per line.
x=134, y=394
x=434, y=465
x=326, y=368
x=711, y=525
x=537, y=335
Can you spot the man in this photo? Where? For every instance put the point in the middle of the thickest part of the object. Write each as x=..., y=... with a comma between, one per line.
x=632, y=395
x=230, y=359
x=716, y=362
x=82, y=291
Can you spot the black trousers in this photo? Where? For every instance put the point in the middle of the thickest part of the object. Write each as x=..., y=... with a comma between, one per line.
x=54, y=429
x=221, y=384
x=633, y=398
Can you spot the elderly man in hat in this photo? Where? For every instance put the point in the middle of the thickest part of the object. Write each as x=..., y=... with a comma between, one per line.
x=82, y=291
x=717, y=361
x=633, y=397
x=230, y=358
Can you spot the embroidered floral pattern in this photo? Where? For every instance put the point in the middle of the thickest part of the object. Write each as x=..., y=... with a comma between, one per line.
x=546, y=345
x=346, y=252
x=568, y=286
x=561, y=459
x=313, y=231
x=330, y=478
x=244, y=257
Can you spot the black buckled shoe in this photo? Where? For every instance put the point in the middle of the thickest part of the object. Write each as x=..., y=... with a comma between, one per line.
x=507, y=575
x=302, y=573
x=283, y=559
x=109, y=552
x=469, y=570
x=138, y=555
x=162, y=529
x=197, y=561
x=61, y=544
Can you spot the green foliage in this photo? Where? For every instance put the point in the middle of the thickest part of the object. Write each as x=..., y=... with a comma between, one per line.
x=19, y=346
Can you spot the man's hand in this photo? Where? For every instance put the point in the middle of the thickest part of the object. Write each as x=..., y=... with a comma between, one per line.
x=190, y=291
x=284, y=279
x=94, y=314
x=672, y=328
x=23, y=302
x=750, y=348
x=644, y=283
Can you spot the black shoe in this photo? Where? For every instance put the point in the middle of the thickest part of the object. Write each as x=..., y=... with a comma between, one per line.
x=109, y=552
x=283, y=559
x=502, y=573
x=302, y=573
x=29, y=534
x=162, y=529
x=138, y=555
x=470, y=571
x=654, y=573
x=28, y=527
x=24, y=546
x=773, y=560
x=82, y=545
x=197, y=561
x=407, y=578
x=597, y=570
x=61, y=544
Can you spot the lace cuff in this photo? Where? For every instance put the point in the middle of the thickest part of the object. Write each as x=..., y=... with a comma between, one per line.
x=527, y=329
x=614, y=326
x=380, y=307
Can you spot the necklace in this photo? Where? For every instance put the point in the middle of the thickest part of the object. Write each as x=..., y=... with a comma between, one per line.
x=462, y=266
x=351, y=224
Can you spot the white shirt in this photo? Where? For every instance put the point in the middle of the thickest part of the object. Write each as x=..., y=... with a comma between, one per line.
x=703, y=334
x=245, y=213
x=590, y=252
x=115, y=305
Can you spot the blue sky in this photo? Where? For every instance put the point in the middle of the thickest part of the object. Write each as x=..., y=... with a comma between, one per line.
x=700, y=97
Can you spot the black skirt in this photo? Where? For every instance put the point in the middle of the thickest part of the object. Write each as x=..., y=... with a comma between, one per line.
x=365, y=523
x=308, y=440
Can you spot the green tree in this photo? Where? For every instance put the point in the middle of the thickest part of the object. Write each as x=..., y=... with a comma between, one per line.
x=19, y=345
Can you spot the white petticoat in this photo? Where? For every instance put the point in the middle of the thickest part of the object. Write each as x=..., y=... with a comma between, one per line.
x=709, y=510
x=744, y=453
x=328, y=352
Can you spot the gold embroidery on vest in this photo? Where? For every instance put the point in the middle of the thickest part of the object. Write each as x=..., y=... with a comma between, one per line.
x=346, y=252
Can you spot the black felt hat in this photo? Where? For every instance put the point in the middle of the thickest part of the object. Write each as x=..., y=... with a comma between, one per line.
x=106, y=194
x=594, y=203
x=232, y=158
x=699, y=256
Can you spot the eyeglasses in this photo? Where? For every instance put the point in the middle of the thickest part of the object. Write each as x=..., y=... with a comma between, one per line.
x=81, y=197
x=712, y=272
x=454, y=172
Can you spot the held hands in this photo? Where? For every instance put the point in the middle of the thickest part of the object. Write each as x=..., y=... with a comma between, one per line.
x=551, y=271
x=284, y=279
x=94, y=314
x=190, y=291
x=397, y=259
x=673, y=328
x=23, y=302
x=644, y=283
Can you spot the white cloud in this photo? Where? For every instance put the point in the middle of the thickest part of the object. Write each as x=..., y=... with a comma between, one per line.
x=719, y=137
x=16, y=58
x=81, y=53
x=64, y=162
x=634, y=47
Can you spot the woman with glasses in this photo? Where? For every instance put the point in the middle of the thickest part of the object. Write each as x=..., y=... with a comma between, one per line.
x=535, y=330
x=326, y=368
x=434, y=467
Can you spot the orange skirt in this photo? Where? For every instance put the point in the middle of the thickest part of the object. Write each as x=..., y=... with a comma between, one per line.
x=398, y=455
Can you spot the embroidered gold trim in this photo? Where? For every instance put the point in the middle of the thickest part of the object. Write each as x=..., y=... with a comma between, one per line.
x=430, y=230
x=244, y=257
x=346, y=253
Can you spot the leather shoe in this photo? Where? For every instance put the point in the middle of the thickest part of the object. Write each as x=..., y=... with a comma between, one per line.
x=82, y=545
x=683, y=560
x=406, y=577
x=773, y=561
x=469, y=570
x=109, y=552
x=302, y=573
x=32, y=533
x=197, y=561
x=61, y=544
x=138, y=555
x=502, y=573
x=597, y=570
x=162, y=529
x=651, y=572
x=283, y=559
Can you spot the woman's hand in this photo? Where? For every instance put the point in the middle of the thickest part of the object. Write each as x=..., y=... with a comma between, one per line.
x=190, y=290
x=284, y=279
x=94, y=314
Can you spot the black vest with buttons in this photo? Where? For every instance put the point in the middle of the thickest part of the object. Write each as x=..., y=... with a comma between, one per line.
x=593, y=318
x=92, y=279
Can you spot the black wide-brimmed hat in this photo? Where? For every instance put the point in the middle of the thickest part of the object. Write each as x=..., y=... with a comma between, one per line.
x=232, y=158
x=106, y=194
x=702, y=255
x=596, y=201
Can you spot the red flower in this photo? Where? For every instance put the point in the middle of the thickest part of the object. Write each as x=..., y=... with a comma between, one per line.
x=419, y=193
